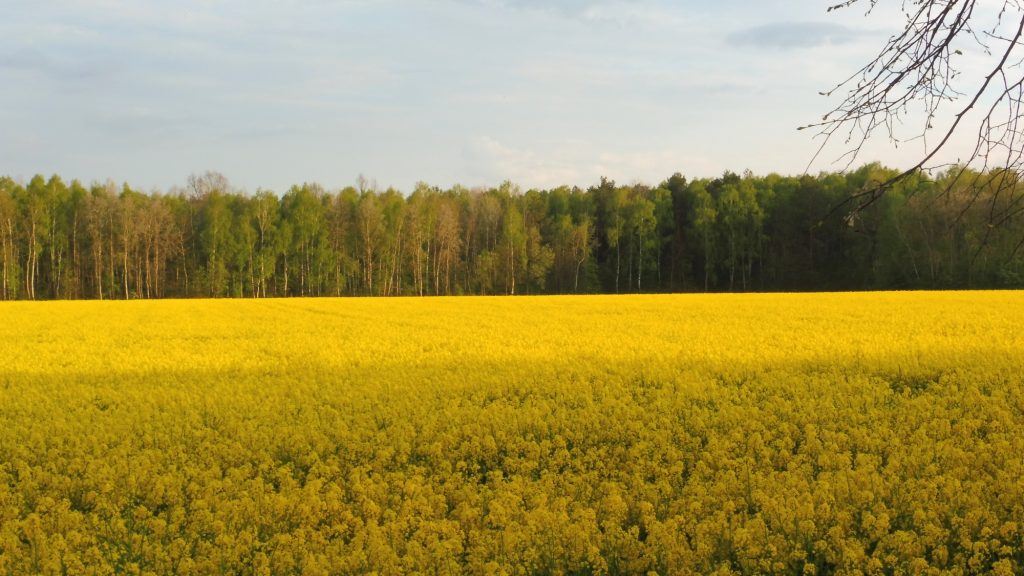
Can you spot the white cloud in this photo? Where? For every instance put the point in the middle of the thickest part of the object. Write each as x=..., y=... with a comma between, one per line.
x=577, y=162
x=494, y=162
x=623, y=13
x=652, y=166
x=792, y=35
x=280, y=91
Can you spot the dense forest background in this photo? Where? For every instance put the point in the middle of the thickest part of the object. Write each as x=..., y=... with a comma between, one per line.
x=733, y=233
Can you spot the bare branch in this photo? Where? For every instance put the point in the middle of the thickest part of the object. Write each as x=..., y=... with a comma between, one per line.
x=915, y=74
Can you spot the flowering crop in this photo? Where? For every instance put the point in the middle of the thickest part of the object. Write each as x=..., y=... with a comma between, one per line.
x=852, y=433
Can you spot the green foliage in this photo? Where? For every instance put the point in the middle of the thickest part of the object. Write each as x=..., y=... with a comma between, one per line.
x=961, y=229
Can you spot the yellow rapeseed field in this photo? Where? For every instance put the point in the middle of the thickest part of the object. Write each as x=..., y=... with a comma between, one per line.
x=850, y=433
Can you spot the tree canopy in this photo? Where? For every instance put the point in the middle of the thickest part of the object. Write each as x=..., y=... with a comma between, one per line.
x=731, y=233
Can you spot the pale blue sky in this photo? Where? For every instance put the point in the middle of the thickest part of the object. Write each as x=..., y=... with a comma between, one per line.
x=277, y=92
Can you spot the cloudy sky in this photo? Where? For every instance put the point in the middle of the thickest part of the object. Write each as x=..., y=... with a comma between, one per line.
x=540, y=92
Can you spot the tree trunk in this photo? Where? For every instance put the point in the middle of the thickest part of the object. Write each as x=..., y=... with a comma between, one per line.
x=617, y=262
x=640, y=263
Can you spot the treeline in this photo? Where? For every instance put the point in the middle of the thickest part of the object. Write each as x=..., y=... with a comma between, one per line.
x=734, y=233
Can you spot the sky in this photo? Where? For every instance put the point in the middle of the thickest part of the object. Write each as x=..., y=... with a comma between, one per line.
x=273, y=93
